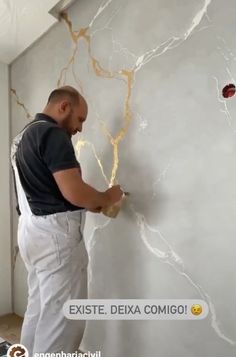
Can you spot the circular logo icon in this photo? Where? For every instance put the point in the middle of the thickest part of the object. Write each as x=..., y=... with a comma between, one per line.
x=17, y=350
x=196, y=309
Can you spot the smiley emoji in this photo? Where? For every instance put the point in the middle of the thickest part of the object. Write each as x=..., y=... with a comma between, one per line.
x=196, y=309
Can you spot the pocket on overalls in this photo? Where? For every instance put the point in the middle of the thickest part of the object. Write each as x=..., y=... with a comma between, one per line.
x=45, y=243
x=74, y=228
x=69, y=236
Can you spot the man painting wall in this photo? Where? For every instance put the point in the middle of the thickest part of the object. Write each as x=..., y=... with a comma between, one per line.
x=52, y=203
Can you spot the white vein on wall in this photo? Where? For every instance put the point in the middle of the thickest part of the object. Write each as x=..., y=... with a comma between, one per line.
x=170, y=257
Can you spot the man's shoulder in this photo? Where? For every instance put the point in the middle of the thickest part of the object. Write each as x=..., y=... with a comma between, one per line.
x=40, y=125
x=43, y=129
x=40, y=134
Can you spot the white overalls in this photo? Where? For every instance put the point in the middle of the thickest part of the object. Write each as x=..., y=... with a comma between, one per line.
x=53, y=250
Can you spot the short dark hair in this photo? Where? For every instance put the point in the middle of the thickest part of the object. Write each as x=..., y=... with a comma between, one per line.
x=61, y=93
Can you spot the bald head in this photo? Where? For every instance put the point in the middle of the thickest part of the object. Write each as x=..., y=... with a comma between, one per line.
x=64, y=93
x=67, y=106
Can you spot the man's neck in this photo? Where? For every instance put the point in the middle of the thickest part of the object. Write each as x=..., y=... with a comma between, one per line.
x=51, y=115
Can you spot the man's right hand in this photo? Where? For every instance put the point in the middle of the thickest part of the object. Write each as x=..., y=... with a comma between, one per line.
x=114, y=194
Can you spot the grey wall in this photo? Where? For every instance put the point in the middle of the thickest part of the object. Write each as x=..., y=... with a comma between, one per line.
x=5, y=227
x=156, y=69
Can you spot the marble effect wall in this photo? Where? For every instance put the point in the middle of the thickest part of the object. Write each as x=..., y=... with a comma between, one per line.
x=152, y=72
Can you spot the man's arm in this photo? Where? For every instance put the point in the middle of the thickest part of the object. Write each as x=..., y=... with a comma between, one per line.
x=80, y=194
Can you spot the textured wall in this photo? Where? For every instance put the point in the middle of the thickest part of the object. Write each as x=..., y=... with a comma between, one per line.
x=152, y=72
x=5, y=227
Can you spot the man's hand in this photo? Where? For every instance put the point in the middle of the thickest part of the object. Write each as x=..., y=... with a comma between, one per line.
x=114, y=194
x=95, y=210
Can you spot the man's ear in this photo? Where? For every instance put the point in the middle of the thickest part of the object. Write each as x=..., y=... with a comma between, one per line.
x=64, y=106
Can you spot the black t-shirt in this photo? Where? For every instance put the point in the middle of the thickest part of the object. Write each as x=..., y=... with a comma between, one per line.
x=44, y=149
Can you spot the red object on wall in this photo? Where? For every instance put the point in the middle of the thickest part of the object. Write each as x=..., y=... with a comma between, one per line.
x=229, y=90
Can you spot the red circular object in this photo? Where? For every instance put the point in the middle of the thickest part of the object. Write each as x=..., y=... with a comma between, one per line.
x=229, y=90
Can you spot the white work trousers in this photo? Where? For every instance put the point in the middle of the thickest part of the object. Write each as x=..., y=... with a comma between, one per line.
x=54, y=253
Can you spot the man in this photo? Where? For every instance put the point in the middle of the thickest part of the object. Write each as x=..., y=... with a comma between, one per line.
x=52, y=201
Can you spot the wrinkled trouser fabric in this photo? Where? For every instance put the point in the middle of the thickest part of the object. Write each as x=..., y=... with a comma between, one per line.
x=54, y=253
x=56, y=260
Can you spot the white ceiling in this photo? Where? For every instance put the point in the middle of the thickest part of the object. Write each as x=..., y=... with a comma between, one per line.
x=22, y=22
